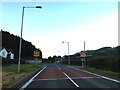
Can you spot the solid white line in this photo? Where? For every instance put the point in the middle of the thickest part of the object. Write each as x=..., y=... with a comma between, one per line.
x=24, y=86
x=84, y=77
x=96, y=74
x=71, y=80
x=111, y=79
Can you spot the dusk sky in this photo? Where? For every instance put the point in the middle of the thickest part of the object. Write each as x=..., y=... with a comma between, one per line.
x=96, y=23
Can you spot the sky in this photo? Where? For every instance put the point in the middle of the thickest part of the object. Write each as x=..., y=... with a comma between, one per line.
x=96, y=23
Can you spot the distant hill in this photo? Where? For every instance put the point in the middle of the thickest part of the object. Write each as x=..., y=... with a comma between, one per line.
x=11, y=42
x=104, y=51
x=106, y=58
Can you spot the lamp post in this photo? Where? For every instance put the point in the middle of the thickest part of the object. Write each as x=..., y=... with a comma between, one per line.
x=21, y=35
x=84, y=56
x=68, y=52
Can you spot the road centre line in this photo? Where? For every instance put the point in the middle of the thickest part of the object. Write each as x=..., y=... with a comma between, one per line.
x=58, y=68
x=70, y=79
x=25, y=85
x=96, y=74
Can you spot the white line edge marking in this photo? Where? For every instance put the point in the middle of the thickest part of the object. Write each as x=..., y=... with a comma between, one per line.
x=71, y=80
x=24, y=86
x=96, y=74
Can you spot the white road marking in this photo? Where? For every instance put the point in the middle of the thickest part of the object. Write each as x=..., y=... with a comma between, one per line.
x=24, y=86
x=84, y=77
x=70, y=79
x=58, y=68
x=96, y=74
x=65, y=78
x=51, y=79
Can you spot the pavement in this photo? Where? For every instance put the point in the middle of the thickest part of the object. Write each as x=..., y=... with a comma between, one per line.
x=64, y=76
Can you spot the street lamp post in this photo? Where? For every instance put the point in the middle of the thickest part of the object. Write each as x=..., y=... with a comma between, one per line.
x=84, y=56
x=68, y=52
x=21, y=35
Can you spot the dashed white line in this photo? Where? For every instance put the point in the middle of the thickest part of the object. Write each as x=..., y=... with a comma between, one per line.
x=71, y=79
x=58, y=68
x=24, y=86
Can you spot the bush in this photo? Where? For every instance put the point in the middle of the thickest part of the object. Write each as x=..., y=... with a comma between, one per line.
x=9, y=61
x=73, y=62
x=104, y=62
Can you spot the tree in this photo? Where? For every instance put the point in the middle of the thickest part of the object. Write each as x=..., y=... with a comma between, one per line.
x=10, y=41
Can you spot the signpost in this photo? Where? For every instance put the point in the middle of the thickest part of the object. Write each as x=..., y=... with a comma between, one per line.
x=83, y=55
x=36, y=54
x=82, y=61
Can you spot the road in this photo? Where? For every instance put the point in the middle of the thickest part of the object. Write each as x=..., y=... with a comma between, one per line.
x=62, y=76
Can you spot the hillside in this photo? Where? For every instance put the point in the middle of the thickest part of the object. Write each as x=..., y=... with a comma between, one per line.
x=105, y=58
x=11, y=42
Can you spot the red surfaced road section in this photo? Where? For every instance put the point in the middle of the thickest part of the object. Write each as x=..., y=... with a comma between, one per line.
x=55, y=73
x=51, y=73
x=73, y=73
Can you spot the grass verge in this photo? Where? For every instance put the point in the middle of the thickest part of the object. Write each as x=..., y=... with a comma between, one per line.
x=111, y=74
x=10, y=75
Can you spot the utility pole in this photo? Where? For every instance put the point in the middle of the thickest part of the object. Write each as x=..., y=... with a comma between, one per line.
x=68, y=52
x=84, y=56
x=20, y=41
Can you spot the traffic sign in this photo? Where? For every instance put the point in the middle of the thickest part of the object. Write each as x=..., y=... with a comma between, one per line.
x=36, y=53
x=82, y=53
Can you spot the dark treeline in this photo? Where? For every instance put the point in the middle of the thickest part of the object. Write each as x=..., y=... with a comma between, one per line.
x=52, y=59
x=105, y=58
x=11, y=43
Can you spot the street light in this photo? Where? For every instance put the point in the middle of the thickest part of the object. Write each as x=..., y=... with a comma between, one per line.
x=68, y=52
x=21, y=35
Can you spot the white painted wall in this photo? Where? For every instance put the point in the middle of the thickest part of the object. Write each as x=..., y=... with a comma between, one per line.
x=3, y=53
x=11, y=55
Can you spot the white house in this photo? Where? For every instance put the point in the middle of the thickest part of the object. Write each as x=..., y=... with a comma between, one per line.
x=11, y=55
x=3, y=53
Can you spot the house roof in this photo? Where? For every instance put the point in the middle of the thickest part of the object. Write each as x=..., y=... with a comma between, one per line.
x=1, y=48
x=8, y=50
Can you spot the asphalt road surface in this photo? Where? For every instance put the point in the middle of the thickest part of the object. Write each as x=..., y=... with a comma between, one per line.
x=62, y=76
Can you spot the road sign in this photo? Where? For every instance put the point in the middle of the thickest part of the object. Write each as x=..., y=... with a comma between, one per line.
x=36, y=53
x=82, y=53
